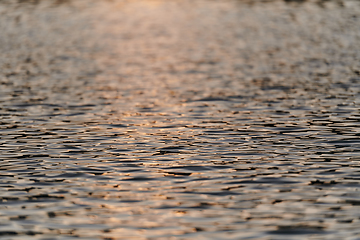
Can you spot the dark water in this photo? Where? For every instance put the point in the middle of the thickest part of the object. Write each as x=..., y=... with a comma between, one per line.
x=179, y=119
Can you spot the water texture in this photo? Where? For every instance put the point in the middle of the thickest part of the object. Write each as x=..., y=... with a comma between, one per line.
x=191, y=119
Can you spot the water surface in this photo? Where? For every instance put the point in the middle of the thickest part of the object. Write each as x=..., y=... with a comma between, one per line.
x=179, y=119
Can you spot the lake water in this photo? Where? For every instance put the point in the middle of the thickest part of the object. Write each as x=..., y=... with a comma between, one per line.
x=179, y=119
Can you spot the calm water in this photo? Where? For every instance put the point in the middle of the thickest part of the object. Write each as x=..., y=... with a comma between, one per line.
x=179, y=119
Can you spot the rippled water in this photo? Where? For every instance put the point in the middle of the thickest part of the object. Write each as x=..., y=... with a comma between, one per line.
x=179, y=119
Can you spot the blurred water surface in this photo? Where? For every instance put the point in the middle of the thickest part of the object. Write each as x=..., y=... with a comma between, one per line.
x=179, y=119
